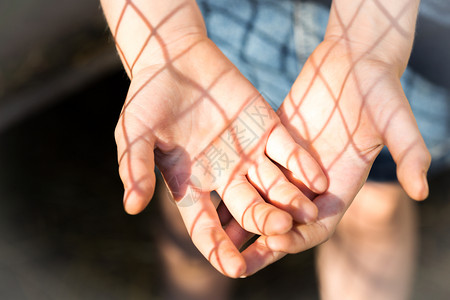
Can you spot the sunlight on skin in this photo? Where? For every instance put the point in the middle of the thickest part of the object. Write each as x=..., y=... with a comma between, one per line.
x=345, y=105
x=190, y=111
x=188, y=104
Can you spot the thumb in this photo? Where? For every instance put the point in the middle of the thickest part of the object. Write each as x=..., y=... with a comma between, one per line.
x=404, y=141
x=136, y=165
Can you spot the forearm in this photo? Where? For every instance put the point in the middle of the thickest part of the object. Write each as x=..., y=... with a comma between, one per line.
x=382, y=29
x=149, y=32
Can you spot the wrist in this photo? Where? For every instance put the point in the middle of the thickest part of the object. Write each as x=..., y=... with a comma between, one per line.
x=173, y=51
x=149, y=32
x=334, y=57
x=380, y=30
x=356, y=52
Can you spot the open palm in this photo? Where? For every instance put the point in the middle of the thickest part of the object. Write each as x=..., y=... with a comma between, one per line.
x=207, y=128
x=343, y=108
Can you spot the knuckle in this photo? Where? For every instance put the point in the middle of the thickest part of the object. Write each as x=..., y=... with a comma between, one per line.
x=377, y=211
x=322, y=234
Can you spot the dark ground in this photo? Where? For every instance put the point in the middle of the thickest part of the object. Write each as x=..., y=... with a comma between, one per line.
x=64, y=235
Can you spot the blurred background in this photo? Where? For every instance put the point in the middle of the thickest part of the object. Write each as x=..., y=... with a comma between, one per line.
x=63, y=231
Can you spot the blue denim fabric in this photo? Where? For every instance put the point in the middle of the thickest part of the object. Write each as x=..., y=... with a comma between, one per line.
x=258, y=37
x=438, y=10
x=269, y=41
x=430, y=103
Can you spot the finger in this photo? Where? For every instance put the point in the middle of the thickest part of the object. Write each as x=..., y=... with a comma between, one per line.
x=251, y=211
x=297, y=183
x=282, y=148
x=237, y=234
x=224, y=215
x=268, y=249
x=215, y=199
x=404, y=141
x=200, y=218
x=304, y=236
x=258, y=255
x=273, y=185
x=136, y=165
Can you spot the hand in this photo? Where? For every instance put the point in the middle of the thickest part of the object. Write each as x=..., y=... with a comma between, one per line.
x=190, y=110
x=207, y=128
x=344, y=106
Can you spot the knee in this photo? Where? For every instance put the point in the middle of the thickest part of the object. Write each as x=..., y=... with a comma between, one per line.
x=377, y=206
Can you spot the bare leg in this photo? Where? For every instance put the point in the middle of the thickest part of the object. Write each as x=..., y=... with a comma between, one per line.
x=372, y=255
x=187, y=274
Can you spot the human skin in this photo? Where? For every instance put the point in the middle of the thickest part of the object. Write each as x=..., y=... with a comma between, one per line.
x=190, y=111
x=346, y=104
x=373, y=253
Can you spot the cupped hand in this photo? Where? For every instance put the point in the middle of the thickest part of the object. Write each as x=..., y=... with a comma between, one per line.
x=343, y=108
x=208, y=129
